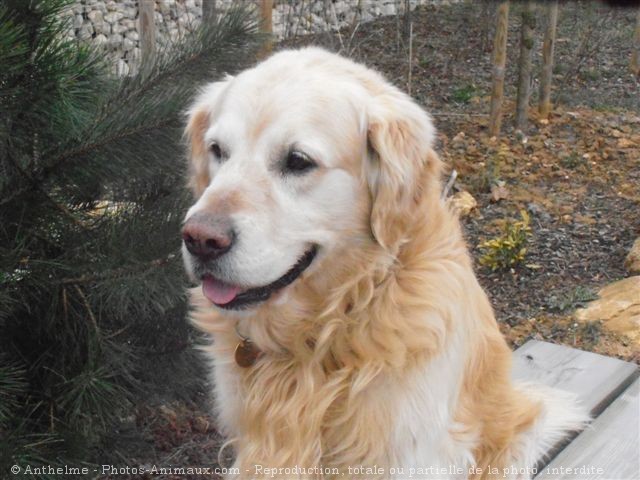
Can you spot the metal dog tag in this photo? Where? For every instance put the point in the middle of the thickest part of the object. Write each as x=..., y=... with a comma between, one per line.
x=246, y=354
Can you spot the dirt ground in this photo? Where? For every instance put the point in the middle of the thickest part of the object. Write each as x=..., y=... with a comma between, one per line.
x=578, y=176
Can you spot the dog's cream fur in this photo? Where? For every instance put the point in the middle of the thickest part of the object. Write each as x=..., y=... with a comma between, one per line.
x=386, y=351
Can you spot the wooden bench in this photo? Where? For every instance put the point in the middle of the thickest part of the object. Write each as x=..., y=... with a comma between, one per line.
x=610, y=447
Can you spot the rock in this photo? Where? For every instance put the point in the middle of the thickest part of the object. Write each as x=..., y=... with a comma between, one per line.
x=78, y=20
x=95, y=16
x=86, y=31
x=132, y=35
x=128, y=44
x=164, y=7
x=389, y=9
x=538, y=211
x=130, y=12
x=128, y=24
x=97, y=20
x=632, y=262
x=118, y=28
x=618, y=307
x=100, y=39
x=123, y=68
x=113, y=17
x=115, y=41
x=462, y=203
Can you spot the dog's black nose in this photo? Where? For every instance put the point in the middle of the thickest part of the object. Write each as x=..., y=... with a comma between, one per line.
x=207, y=236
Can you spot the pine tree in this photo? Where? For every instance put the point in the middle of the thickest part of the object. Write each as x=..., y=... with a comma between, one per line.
x=91, y=201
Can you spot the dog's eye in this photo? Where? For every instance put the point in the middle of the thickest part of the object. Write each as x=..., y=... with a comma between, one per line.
x=216, y=150
x=298, y=162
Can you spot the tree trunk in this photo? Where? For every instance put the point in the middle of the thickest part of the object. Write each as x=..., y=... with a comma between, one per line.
x=524, y=69
x=635, y=56
x=147, y=32
x=266, y=25
x=544, y=107
x=209, y=13
x=499, y=61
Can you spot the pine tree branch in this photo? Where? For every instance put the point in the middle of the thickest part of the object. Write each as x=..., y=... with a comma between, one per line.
x=63, y=158
x=36, y=186
x=160, y=73
x=117, y=332
x=92, y=317
x=65, y=303
x=85, y=149
x=119, y=272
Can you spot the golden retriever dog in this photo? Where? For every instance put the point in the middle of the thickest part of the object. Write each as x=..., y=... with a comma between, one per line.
x=350, y=337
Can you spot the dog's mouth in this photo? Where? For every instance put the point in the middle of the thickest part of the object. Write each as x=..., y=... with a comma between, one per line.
x=232, y=297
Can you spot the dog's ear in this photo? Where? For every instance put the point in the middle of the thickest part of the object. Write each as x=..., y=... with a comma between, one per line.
x=199, y=117
x=402, y=165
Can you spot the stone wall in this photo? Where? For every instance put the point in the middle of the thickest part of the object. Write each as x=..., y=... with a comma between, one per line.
x=113, y=24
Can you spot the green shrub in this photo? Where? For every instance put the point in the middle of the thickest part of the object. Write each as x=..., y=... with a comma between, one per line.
x=464, y=94
x=508, y=249
x=84, y=289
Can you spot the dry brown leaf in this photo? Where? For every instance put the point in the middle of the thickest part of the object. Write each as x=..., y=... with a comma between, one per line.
x=585, y=219
x=616, y=133
x=625, y=143
x=499, y=192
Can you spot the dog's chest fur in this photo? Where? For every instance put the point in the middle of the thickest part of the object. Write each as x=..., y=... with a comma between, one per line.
x=281, y=415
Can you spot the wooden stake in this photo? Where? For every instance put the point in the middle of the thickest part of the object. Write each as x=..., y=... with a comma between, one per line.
x=544, y=107
x=635, y=55
x=524, y=69
x=499, y=61
x=147, y=32
x=410, y=57
x=266, y=26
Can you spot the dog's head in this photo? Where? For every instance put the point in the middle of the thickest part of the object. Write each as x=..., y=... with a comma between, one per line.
x=293, y=163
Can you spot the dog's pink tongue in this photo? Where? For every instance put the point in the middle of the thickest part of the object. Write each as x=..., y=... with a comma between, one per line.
x=218, y=292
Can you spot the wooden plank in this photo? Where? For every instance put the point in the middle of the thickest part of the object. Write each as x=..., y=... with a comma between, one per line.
x=609, y=449
x=147, y=28
x=596, y=380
